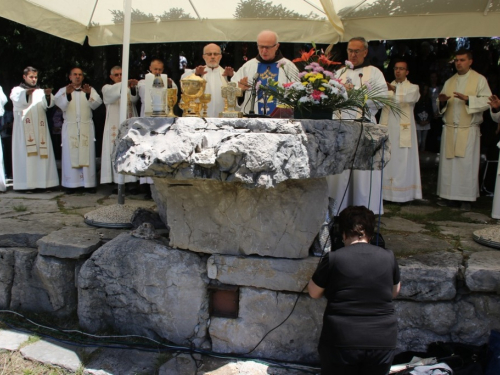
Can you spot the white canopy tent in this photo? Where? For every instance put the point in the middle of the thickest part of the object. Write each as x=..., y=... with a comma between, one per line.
x=321, y=21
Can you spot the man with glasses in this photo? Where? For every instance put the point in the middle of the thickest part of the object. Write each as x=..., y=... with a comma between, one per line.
x=362, y=188
x=269, y=63
x=215, y=75
x=401, y=182
x=111, y=94
x=462, y=102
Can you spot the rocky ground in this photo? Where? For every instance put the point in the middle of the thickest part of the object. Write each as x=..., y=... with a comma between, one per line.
x=408, y=229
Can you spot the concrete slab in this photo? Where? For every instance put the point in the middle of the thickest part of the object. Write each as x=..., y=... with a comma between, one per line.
x=11, y=207
x=410, y=244
x=477, y=217
x=11, y=339
x=70, y=243
x=419, y=210
x=56, y=354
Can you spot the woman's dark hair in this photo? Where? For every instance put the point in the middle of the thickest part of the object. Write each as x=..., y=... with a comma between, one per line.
x=357, y=221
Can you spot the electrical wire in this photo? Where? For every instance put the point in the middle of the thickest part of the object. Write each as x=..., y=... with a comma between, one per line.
x=159, y=347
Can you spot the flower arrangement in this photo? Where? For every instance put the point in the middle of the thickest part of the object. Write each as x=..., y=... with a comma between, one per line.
x=317, y=88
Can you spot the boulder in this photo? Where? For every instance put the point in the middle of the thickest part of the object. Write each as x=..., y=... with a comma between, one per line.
x=138, y=286
x=483, y=272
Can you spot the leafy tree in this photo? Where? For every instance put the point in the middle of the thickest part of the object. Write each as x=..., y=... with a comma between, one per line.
x=175, y=14
x=266, y=9
x=136, y=16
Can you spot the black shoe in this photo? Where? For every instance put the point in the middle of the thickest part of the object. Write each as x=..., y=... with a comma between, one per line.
x=91, y=190
x=70, y=190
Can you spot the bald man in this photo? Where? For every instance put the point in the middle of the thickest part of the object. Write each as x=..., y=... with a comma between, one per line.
x=269, y=63
x=215, y=75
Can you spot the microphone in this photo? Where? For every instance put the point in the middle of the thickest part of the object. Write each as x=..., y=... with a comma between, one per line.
x=362, y=118
x=360, y=78
x=254, y=94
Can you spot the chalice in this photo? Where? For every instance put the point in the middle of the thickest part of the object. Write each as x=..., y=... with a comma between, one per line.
x=204, y=100
x=172, y=101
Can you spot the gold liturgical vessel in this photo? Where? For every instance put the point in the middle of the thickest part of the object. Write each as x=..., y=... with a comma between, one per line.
x=171, y=101
x=193, y=99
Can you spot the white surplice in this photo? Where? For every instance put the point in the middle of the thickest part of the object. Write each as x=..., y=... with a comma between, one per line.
x=3, y=101
x=458, y=176
x=32, y=172
x=215, y=82
x=364, y=189
x=401, y=177
x=83, y=176
x=111, y=96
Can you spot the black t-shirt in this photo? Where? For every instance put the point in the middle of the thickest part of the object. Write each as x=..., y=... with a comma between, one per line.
x=358, y=282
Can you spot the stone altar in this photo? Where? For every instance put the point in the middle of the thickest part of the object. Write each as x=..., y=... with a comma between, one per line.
x=245, y=186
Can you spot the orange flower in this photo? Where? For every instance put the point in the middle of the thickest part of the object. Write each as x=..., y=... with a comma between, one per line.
x=325, y=62
x=305, y=56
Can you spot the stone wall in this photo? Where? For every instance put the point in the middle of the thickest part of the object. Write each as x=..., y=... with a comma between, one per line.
x=137, y=286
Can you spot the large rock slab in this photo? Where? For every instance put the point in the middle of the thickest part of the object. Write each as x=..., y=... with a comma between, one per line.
x=404, y=245
x=262, y=272
x=483, y=272
x=71, y=243
x=11, y=339
x=257, y=152
x=136, y=286
x=429, y=277
x=227, y=218
x=262, y=310
x=468, y=319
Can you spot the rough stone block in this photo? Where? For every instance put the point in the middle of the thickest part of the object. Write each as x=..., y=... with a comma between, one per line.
x=262, y=272
x=7, y=263
x=429, y=277
x=227, y=218
x=138, y=286
x=467, y=320
x=262, y=310
x=72, y=243
x=256, y=152
x=483, y=272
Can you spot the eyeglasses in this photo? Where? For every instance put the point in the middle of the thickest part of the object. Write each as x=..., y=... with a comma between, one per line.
x=355, y=51
x=267, y=47
x=399, y=68
x=212, y=54
x=117, y=74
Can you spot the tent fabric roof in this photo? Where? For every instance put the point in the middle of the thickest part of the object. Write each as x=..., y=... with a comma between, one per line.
x=321, y=21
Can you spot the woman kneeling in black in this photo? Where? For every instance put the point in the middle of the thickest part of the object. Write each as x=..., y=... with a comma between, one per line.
x=359, y=281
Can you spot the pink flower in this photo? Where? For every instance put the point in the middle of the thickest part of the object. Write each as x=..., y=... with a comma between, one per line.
x=281, y=63
x=349, y=64
x=287, y=85
x=316, y=94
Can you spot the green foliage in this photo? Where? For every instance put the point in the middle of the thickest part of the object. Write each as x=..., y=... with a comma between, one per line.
x=266, y=9
x=136, y=16
x=175, y=14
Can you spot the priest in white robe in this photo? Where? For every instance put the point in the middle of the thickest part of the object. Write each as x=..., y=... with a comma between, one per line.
x=33, y=160
x=269, y=64
x=363, y=188
x=214, y=75
x=3, y=101
x=401, y=176
x=462, y=102
x=77, y=100
x=144, y=86
x=111, y=95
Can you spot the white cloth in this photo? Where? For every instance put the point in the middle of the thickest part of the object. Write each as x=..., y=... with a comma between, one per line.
x=401, y=177
x=364, y=188
x=215, y=82
x=287, y=73
x=32, y=172
x=84, y=176
x=111, y=96
x=145, y=94
x=458, y=177
x=3, y=101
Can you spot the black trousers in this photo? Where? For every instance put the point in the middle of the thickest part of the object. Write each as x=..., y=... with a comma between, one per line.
x=338, y=361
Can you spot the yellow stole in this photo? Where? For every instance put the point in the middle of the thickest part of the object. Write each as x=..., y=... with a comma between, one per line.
x=78, y=131
x=456, y=148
